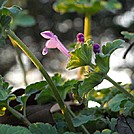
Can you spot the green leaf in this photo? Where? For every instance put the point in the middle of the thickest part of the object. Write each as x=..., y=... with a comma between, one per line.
x=106, y=131
x=85, y=6
x=23, y=19
x=89, y=83
x=102, y=62
x=5, y=92
x=14, y=9
x=35, y=87
x=5, y=95
x=115, y=102
x=80, y=57
x=71, y=133
x=128, y=35
x=40, y=128
x=82, y=119
x=22, y=99
x=8, y=129
x=112, y=5
x=110, y=47
x=80, y=6
x=112, y=123
x=45, y=96
x=128, y=108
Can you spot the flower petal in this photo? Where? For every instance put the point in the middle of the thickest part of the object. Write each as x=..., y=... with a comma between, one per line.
x=45, y=51
x=52, y=43
x=61, y=47
x=47, y=34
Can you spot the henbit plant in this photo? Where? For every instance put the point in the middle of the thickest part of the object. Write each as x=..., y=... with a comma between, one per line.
x=113, y=101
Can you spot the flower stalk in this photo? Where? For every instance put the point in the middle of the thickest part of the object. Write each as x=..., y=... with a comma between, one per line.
x=18, y=115
x=119, y=87
x=40, y=67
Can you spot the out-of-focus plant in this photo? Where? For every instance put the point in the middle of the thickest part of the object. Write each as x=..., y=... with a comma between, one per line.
x=115, y=102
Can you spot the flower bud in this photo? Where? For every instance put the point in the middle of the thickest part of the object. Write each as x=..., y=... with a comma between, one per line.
x=96, y=48
x=80, y=38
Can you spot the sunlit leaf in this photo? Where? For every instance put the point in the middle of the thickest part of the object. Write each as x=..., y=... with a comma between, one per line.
x=80, y=57
x=80, y=6
x=85, y=6
x=128, y=35
x=110, y=47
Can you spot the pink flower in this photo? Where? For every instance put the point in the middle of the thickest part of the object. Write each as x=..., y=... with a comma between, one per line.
x=53, y=42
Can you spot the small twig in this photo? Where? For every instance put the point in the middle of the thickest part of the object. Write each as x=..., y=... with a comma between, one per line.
x=129, y=48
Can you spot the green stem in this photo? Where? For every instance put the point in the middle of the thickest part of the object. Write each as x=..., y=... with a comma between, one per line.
x=87, y=35
x=119, y=87
x=18, y=115
x=40, y=67
x=21, y=65
x=20, y=61
x=87, y=31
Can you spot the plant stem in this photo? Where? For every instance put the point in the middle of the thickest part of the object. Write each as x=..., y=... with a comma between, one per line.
x=21, y=65
x=87, y=26
x=87, y=31
x=20, y=61
x=18, y=115
x=87, y=35
x=40, y=67
x=119, y=87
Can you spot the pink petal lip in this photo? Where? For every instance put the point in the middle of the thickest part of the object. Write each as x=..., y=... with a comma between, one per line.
x=47, y=34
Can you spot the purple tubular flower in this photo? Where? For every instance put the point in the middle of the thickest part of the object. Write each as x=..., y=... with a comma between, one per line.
x=53, y=42
x=96, y=48
x=80, y=38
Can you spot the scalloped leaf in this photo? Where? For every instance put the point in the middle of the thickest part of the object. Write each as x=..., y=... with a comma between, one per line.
x=110, y=47
x=84, y=6
x=128, y=35
x=80, y=6
x=41, y=128
x=8, y=129
x=115, y=102
x=80, y=57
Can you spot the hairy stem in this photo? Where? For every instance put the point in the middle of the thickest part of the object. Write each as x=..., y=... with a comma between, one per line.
x=40, y=67
x=119, y=87
x=18, y=115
